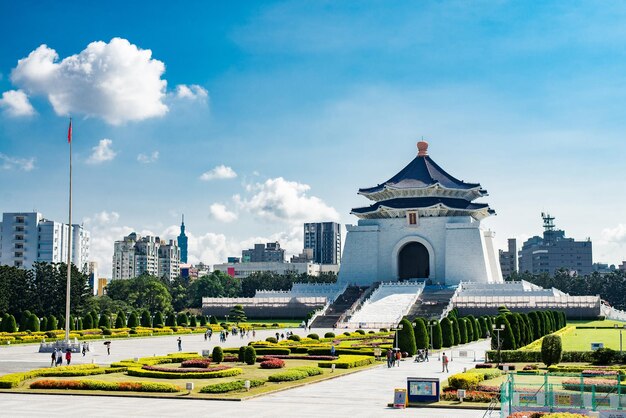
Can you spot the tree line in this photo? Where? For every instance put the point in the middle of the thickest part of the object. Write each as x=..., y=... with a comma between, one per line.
x=610, y=286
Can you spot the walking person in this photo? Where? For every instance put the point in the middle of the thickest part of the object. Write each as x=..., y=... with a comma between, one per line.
x=180, y=344
x=84, y=349
x=444, y=363
x=68, y=356
x=54, y=358
x=389, y=354
x=398, y=357
x=59, y=358
x=426, y=355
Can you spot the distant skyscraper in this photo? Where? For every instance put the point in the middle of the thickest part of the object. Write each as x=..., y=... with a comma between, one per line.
x=324, y=238
x=554, y=251
x=508, y=259
x=264, y=252
x=182, y=242
x=27, y=237
x=135, y=255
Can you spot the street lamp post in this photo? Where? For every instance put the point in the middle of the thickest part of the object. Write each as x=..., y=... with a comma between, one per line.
x=620, y=335
x=431, y=324
x=400, y=326
x=499, y=341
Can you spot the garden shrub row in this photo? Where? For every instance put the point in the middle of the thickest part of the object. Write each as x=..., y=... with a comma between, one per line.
x=469, y=380
x=519, y=356
x=338, y=351
x=135, y=371
x=292, y=357
x=152, y=361
x=296, y=373
x=14, y=379
x=185, y=369
x=102, y=385
x=262, y=350
x=237, y=385
x=347, y=362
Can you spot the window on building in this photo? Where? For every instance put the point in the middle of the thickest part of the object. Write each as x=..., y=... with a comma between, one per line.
x=412, y=217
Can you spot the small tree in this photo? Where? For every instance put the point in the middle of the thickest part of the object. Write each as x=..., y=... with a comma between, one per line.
x=250, y=355
x=551, y=350
x=406, y=338
x=237, y=314
x=506, y=335
x=43, y=325
x=52, y=323
x=192, y=321
x=119, y=321
x=217, y=355
x=104, y=321
x=24, y=318
x=11, y=325
x=33, y=323
x=133, y=320
x=437, y=341
x=241, y=357
x=182, y=319
x=447, y=333
x=421, y=334
x=462, y=330
x=203, y=321
x=146, y=320
x=171, y=320
x=79, y=324
x=213, y=320
x=158, y=319
x=456, y=331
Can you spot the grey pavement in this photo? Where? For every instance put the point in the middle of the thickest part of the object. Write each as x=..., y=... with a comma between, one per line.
x=361, y=394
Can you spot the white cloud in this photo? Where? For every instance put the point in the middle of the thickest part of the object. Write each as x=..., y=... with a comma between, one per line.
x=147, y=159
x=221, y=213
x=279, y=199
x=615, y=235
x=191, y=92
x=10, y=163
x=102, y=152
x=221, y=172
x=115, y=81
x=15, y=103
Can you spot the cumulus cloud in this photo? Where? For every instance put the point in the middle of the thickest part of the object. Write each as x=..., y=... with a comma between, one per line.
x=10, y=163
x=15, y=103
x=221, y=213
x=115, y=81
x=148, y=158
x=221, y=172
x=283, y=200
x=191, y=92
x=102, y=152
x=615, y=235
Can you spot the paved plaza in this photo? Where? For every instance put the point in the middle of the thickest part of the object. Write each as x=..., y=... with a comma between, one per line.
x=361, y=394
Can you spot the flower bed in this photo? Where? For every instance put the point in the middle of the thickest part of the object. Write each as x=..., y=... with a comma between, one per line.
x=101, y=385
x=599, y=372
x=297, y=373
x=470, y=396
x=14, y=379
x=347, y=362
x=186, y=369
x=292, y=357
x=601, y=385
x=197, y=363
x=272, y=363
x=135, y=371
x=234, y=386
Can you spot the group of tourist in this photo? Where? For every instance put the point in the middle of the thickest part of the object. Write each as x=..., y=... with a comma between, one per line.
x=393, y=358
x=57, y=357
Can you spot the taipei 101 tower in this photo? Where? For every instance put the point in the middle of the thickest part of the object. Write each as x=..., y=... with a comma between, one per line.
x=182, y=242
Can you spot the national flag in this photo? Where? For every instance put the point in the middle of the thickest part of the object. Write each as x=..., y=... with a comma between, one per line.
x=69, y=132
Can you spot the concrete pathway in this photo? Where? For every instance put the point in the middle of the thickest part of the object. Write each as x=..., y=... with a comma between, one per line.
x=362, y=394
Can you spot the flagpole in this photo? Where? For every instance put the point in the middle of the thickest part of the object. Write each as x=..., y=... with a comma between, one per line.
x=69, y=249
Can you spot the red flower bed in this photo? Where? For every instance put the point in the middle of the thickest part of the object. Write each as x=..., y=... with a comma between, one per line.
x=601, y=385
x=186, y=369
x=600, y=372
x=485, y=366
x=273, y=363
x=230, y=359
x=197, y=362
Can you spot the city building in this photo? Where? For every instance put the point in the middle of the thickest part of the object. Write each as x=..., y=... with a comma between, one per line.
x=324, y=238
x=508, y=259
x=182, y=242
x=305, y=257
x=622, y=266
x=102, y=284
x=603, y=268
x=135, y=255
x=422, y=225
x=554, y=251
x=28, y=237
x=270, y=252
x=92, y=272
x=243, y=270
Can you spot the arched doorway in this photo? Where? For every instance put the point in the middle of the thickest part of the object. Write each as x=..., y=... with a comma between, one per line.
x=413, y=262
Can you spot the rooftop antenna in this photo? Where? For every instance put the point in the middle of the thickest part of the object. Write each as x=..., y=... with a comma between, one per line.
x=548, y=221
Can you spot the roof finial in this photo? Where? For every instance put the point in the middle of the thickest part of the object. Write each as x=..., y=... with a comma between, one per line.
x=422, y=148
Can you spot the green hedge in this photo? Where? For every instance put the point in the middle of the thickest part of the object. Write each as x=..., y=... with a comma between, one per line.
x=135, y=371
x=465, y=380
x=14, y=379
x=236, y=385
x=347, y=362
x=518, y=356
x=102, y=385
x=339, y=351
x=297, y=373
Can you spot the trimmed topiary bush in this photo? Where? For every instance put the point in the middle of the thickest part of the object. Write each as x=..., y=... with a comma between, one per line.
x=447, y=333
x=437, y=341
x=294, y=337
x=406, y=338
x=237, y=385
x=551, y=350
x=241, y=357
x=272, y=340
x=217, y=355
x=329, y=335
x=272, y=363
x=421, y=334
x=313, y=336
x=250, y=355
x=604, y=356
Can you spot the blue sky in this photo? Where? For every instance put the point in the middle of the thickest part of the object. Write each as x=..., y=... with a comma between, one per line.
x=253, y=118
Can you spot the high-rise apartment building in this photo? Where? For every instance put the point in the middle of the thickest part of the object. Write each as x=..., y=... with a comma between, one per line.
x=264, y=253
x=27, y=237
x=324, y=238
x=508, y=259
x=554, y=251
x=182, y=242
x=135, y=255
